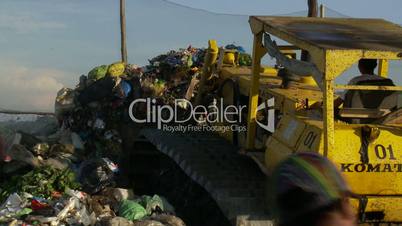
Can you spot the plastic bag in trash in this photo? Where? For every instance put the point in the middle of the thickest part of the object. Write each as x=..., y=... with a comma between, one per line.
x=123, y=90
x=23, y=212
x=116, y=69
x=77, y=141
x=84, y=217
x=95, y=175
x=97, y=91
x=151, y=204
x=131, y=210
x=41, y=207
x=98, y=72
x=12, y=205
x=64, y=101
x=134, y=70
x=240, y=49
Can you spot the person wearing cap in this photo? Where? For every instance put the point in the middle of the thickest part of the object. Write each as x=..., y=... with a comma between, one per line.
x=309, y=191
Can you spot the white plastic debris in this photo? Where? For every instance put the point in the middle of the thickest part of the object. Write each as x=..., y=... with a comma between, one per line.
x=12, y=205
x=77, y=141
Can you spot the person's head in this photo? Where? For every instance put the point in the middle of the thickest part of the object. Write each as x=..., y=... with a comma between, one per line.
x=309, y=191
x=367, y=66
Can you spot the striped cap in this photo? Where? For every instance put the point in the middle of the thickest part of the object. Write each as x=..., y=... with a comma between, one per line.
x=306, y=182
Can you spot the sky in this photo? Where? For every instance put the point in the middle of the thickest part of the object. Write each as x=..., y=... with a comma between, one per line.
x=47, y=44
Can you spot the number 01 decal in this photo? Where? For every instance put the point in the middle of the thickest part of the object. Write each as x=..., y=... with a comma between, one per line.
x=381, y=152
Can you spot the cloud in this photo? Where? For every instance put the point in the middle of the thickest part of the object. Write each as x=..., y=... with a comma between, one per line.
x=25, y=23
x=29, y=89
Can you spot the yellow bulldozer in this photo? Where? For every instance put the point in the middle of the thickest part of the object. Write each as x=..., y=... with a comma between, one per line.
x=292, y=107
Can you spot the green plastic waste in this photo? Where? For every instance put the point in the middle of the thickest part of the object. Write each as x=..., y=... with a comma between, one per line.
x=98, y=72
x=131, y=210
x=23, y=212
x=150, y=203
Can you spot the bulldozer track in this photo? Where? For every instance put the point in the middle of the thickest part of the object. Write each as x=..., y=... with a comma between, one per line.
x=233, y=181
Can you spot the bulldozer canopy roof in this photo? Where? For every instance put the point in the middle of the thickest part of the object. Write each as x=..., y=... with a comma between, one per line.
x=334, y=33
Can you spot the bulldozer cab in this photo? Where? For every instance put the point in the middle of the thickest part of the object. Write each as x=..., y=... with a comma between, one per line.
x=368, y=106
x=363, y=137
x=334, y=45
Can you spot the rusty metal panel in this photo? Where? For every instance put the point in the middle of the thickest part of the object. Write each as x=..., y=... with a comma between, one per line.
x=338, y=33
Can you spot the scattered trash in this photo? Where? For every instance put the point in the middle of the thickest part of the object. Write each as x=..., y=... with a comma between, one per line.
x=117, y=221
x=147, y=222
x=41, y=149
x=64, y=102
x=40, y=182
x=132, y=210
x=97, y=91
x=95, y=175
x=77, y=141
x=119, y=194
x=41, y=207
x=151, y=204
x=111, y=165
x=20, y=153
x=11, y=206
x=166, y=219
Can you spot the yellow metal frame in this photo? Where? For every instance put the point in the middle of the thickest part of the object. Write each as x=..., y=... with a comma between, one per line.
x=383, y=68
x=258, y=53
x=331, y=62
x=209, y=60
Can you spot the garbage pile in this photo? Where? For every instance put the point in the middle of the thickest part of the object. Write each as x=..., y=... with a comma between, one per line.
x=168, y=76
x=52, y=181
x=68, y=176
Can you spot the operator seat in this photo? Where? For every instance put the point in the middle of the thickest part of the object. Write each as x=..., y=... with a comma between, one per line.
x=371, y=99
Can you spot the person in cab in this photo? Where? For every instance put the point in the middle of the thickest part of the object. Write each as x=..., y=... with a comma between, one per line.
x=370, y=99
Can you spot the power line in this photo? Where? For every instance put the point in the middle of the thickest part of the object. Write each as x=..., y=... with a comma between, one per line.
x=198, y=9
x=330, y=12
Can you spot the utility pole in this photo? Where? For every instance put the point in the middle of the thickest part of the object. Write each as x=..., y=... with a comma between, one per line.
x=312, y=12
x=123, y=31
x=312, y=8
